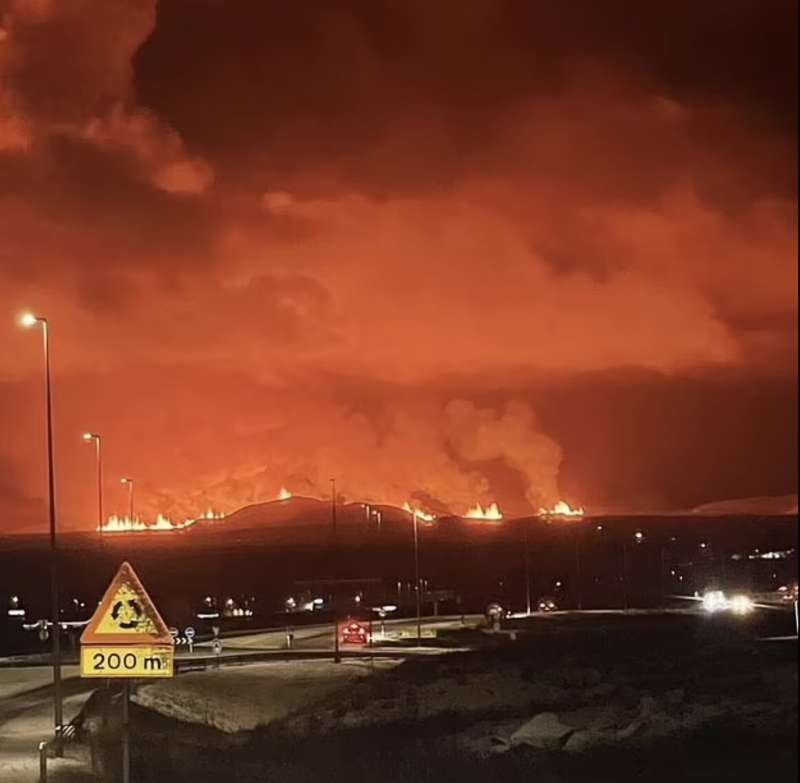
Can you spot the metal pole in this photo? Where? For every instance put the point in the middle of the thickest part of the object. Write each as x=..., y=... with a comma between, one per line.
x=99, y=483
x=54, y=613
x=625, y=574
x=126, y=738
x=526, y=523
x=578, y=580
x=130, y=498
x=337, y=658
x=43, y=761
x=416, y=577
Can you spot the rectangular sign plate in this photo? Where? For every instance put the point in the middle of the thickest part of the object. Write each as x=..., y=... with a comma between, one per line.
x=121, y=660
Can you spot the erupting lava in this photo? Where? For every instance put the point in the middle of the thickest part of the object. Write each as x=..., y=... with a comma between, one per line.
x=562, y=509
x=116, y=524
x=492, y=511
x=423, y=515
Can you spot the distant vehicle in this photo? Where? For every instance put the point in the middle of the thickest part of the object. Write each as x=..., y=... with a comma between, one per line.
x=788, y=593
x=547, y=604
x=355, y=633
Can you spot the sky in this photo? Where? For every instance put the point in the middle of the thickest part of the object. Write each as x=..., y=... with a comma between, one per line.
x=451, y=252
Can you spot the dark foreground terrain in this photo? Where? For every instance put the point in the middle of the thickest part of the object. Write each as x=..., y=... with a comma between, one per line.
x=664, y=698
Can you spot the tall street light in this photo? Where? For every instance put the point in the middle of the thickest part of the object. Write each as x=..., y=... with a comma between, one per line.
x=415, y=526
x=337, y=658
x=526, y=523
x=128, y=482
x=29, y=320
x=89, y=437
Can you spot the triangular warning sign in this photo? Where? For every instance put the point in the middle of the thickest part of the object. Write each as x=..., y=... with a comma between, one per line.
x=126, y=615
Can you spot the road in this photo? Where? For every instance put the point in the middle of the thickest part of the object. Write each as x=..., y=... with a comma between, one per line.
x=26, y=718
x=26, y=700
x=320, y=636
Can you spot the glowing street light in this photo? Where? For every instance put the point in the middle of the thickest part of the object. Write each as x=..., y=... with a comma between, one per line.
x=29, y=320
x=89, y=437
x=128, y=482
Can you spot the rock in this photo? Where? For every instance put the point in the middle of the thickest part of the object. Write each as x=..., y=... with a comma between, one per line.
x=662, y=725
x=634, y=728
x=498, y=744
x=544, y=731
x=581, y=741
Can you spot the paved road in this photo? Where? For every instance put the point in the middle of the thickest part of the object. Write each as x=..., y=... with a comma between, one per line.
x=26, y=701
x=26, y=718
x=320, y=637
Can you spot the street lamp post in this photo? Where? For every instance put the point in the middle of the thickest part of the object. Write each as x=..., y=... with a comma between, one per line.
x=415, y=526
x=337, y=658
x=662, y=580
x=578, y=575
x=526, y=523
x=129, y=483
x=638, y=537
x=29, y=320
x=89, y=437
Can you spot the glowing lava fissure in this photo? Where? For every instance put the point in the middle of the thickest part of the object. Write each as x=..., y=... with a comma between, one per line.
x=491, y=512
x=562, y=509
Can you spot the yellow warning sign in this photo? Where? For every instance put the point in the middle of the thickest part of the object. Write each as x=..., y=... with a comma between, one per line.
x=122, y=660
x=126, y=615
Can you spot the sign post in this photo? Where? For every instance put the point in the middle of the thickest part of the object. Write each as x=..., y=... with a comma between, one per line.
x=126, y=638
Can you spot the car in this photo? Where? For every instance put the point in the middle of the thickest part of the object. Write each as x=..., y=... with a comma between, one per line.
x=354, y=633
x=547, y=604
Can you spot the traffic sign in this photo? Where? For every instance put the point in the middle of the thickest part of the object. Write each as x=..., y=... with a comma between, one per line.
x=126, y=615
x=126, y=636
x=121, y=660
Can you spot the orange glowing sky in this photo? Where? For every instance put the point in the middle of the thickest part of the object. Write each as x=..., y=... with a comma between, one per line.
x=456, y=252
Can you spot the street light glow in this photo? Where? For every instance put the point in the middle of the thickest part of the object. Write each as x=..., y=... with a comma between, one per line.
x=87, y=436
x=28, y=320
